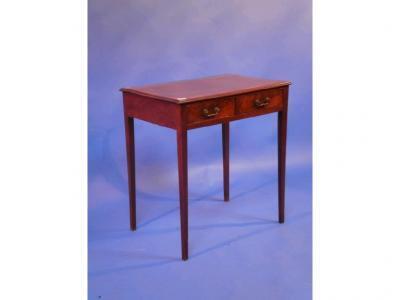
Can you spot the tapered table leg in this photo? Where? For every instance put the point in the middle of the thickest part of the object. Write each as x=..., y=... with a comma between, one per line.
x=130, y=154
x=183, y=189
x=225, y=150
x=282, y=129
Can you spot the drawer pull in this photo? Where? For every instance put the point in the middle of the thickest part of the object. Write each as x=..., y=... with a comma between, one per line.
x=261, y=103
x=208, y=114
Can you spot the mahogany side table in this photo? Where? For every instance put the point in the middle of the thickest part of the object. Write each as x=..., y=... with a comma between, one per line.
x=188, y=104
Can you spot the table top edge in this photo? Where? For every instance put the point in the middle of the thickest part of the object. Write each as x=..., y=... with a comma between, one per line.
x=206, y=97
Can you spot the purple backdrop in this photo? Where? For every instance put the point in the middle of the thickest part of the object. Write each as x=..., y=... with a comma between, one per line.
x=237, y=249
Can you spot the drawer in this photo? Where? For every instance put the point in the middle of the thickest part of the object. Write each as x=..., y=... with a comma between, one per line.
x=260, y=102
x=210, y=110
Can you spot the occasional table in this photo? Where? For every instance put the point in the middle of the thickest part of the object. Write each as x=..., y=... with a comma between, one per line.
x=187, y=104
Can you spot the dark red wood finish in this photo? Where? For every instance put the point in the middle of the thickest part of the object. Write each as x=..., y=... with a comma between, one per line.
x=188, y=104
x=152, y=110
x=225, y=151
x=184, y=91
x=282, y=129
x=183, y=190
x=194, y=115
x=130, y=155
x=245, y=104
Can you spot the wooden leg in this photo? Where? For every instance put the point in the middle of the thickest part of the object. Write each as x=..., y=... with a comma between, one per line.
x=282, y=126
x=130, y=154
x=225, y=150
x=183, y=189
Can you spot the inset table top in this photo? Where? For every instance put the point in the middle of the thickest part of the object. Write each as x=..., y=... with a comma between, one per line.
x=184, y=91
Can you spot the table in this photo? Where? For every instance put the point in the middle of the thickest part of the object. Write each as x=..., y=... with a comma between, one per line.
x=187, y=104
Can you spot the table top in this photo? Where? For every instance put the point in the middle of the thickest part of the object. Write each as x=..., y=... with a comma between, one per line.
x=184, y=91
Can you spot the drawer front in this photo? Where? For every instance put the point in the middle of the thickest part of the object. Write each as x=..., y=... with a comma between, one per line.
x=260, y=102
x=210, y=110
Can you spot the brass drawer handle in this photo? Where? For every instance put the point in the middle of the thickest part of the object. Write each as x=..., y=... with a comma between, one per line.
x=208, y=114
x=261, y=103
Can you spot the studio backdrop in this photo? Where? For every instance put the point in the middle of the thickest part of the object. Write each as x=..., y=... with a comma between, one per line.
x=238, y=250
